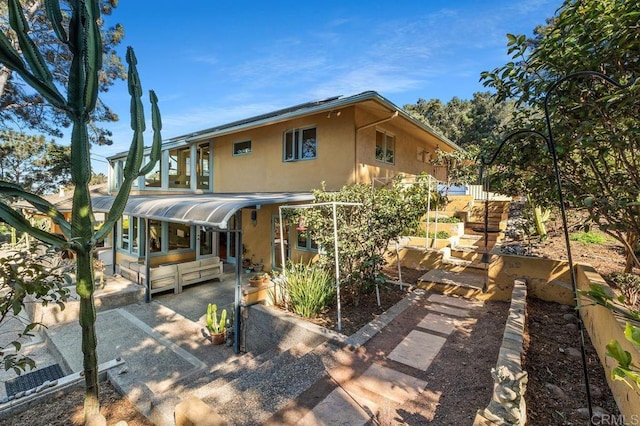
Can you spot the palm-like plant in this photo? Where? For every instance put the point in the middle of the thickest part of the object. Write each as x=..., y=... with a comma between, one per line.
x=80, y=33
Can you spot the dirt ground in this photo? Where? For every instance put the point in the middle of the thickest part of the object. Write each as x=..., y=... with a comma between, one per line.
x=68, y=410
x=555, y=392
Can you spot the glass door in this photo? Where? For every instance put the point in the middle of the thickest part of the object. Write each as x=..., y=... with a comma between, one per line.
x=276, y=244
x=227, y=243
x=206, y=243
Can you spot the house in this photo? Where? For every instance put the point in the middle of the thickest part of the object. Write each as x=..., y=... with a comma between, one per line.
x=210, y=184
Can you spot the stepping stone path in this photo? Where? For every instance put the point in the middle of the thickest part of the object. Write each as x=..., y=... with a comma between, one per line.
x=352, y=401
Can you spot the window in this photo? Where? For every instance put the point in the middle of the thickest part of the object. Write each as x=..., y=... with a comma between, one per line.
x=385, y=147
x=155, y=236
x=124, y=232
x=130, y=235
x=180, y=168
x=300, y=144
x=179, y=236
x=204, y=166
x=242, y=148
x=118, y=171
x=305, y=242
x=153, y=178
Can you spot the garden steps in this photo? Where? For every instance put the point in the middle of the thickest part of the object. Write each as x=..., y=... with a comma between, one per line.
x=466, y=284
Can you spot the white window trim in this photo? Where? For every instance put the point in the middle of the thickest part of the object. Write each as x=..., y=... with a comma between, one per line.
x=298, y=131
x=387, y=134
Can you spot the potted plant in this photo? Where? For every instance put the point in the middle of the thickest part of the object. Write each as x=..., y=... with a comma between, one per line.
x=216, y=328
x=257, y=280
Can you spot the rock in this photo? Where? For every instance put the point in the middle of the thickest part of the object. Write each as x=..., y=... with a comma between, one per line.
x=573, y=352
x=598, y=412
x=571, y=326
x=566, y=308
x=556, y=391
x=569, y=317
x=595, y=391
x=96, y=420
x=122, y=423
x=19, y=395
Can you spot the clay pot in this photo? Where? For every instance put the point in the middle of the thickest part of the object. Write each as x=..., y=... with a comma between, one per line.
x=217, y=338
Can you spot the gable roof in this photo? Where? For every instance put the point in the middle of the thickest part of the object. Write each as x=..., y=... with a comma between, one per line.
x=308, y=108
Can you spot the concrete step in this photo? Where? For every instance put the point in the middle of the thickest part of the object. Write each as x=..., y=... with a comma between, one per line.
x=461, y=283
x=254, y=396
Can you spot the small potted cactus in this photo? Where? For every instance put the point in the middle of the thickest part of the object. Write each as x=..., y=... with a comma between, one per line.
x=217, y=329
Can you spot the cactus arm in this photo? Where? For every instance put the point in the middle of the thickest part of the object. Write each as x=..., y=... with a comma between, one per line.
x=136, y=151
x=12, y=60
x=31, y=54
x=93, y=58
x=55, y=16
x=223, y=321
x=19, y=222
x=75, y=85
x=39, y=203
x=156, y=124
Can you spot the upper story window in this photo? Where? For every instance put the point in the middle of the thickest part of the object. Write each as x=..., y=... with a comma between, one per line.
x=153, y=178
x=300, y=144
x=242, y=148
x=203, y=165
x=180, y=168
x=385, y=147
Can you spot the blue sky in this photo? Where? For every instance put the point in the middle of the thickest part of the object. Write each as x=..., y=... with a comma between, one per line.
x=213, y=62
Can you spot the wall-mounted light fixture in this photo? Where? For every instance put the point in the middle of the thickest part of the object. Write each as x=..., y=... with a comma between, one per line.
x=254, y=217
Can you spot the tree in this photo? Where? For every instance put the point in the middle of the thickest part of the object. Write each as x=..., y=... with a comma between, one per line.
x=80, y=33
x=365, y=230
x=21, y=107
x=33, y=163
x=594, y=123
x=465, y=122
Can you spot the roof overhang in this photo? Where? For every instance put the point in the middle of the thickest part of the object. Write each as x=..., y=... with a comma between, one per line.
x=210, y=210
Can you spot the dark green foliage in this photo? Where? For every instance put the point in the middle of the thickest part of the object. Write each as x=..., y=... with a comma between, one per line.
x=365, y=230
x=33, y=274
x=308, y=288
x=594, y=124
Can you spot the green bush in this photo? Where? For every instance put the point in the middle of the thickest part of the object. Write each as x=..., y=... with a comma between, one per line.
x=309, y=289
x=629, y=285
x=589, y=237
x=450, y=219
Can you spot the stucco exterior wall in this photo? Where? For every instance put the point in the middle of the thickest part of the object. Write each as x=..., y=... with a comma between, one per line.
x=602, y=327
x=264, y=170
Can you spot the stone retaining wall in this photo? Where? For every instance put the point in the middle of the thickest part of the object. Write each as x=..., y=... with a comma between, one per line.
x=507, y=406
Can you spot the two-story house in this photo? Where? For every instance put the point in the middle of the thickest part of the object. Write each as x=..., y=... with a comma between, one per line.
x=211, y=184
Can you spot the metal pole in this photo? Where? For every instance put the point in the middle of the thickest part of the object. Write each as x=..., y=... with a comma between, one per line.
x=281, y=240
x=426, y=240
x=399, y=268
x=147, y=267
x=335, y=246
x=238, y=292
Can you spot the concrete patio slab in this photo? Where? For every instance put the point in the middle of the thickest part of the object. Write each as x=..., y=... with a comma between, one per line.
x=417, y=350
x=458, y=302
x=438, y=323
x=448, y=310
x=340, y=408
x=390, y=383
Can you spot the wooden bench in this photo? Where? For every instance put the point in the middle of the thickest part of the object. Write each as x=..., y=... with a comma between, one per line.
x=198, y=271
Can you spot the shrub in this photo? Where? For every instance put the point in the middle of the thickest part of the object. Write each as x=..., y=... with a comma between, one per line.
x=629, y=285
x=450, y=219
x=309, y=289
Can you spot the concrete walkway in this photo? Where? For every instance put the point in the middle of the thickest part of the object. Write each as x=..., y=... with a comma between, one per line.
x=167, y=358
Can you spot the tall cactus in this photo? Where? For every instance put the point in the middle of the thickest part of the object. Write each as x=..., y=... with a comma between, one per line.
x=81, y=34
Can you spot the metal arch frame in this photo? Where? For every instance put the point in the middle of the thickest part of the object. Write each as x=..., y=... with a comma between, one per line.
x=550, y=142
x=333, y=205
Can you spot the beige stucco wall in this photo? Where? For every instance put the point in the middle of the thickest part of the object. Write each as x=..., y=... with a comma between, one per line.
x=408, y=141
x=602, y=327
x=263, y=170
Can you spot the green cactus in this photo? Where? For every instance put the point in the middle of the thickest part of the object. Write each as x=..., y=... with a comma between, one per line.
x=80, y=32
x=213, y=325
